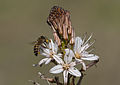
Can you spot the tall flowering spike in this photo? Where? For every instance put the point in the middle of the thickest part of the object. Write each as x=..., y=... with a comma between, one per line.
x=59, y=20
x=65, y=51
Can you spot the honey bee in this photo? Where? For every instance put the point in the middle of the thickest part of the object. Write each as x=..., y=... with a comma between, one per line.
x=42, y=41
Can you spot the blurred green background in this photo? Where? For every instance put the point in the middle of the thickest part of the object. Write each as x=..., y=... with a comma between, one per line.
x=22, y=21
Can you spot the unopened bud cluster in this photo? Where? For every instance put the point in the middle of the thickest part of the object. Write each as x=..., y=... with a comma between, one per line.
x=59, y=20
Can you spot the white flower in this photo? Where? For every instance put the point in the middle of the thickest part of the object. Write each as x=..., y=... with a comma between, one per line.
x=67, y=66
x=50, y=53
x=81, y=54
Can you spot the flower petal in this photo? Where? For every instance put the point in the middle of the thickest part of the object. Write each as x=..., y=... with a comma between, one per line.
x=65, y=75
x=58, y=59
x=74, y=71
x=47, y=51
x=84, y=47
x=78, y=43
x=59, y=54
x=48, y=61
x=90, y=57
x=67, y=51
x=56, y=69
x=50, y=44
x=68, y=55
x=55, y=47
x=44, y=54
x=72, y=64
x=88, y=39
x=87, y=55
x=65, y=58
x=78, y=61
x=83, y=65
x=42, y=61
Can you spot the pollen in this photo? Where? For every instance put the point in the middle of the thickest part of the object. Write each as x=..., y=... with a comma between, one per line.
x=77, y=55
x=47, y=41
x=51, y=54
x=66, y=66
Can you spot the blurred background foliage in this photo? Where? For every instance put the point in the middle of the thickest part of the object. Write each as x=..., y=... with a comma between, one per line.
x=23, y=21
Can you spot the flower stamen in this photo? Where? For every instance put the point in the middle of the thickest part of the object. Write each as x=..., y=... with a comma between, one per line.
x=51, y=54
x=77, y=55
x=66, y=66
